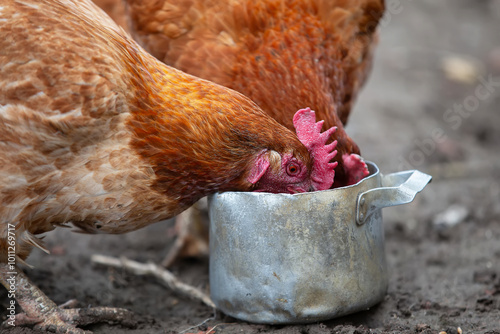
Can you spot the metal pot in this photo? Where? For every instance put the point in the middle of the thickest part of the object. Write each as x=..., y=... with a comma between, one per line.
x=280, y=258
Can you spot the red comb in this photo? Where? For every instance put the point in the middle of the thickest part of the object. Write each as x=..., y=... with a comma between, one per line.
x=356, y=167
x=309, y=133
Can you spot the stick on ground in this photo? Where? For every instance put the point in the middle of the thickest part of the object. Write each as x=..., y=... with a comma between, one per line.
x=154, y=270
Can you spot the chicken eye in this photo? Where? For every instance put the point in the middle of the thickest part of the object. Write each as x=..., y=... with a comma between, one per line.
x=292, y=169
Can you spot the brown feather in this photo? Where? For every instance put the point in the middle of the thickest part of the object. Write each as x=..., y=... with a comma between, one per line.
x=98, y=133
x=283, y=54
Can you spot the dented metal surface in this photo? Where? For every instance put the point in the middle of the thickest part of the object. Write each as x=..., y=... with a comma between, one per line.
x=279, y=258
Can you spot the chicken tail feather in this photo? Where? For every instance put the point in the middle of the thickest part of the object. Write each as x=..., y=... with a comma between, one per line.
x=35, y=242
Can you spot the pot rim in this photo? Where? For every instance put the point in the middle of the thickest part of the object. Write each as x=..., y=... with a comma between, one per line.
x=374, y=172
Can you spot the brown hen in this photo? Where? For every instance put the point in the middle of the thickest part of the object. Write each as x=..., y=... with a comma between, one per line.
x=97, y=133
x=283, y=54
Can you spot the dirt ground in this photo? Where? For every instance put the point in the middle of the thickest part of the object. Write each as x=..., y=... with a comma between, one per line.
x=443, y=249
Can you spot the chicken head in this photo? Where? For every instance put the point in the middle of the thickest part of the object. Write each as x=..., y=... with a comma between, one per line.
x=287, y=173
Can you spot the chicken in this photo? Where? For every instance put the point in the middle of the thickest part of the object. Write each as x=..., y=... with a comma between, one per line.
x=97, y=133
x=283, y=54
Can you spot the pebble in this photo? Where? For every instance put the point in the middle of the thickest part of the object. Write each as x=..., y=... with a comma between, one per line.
x=454, y=215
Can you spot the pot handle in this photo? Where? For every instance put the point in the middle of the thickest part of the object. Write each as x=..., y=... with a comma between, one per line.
x=397, y=188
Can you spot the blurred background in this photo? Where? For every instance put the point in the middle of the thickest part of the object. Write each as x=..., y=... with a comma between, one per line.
x=433, y=104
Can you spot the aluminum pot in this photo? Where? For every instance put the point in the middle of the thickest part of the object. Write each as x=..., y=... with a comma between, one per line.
x=280, y=258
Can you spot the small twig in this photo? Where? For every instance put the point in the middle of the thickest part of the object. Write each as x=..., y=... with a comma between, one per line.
x=198, y=325
x=154, y=270
x=213, y=328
